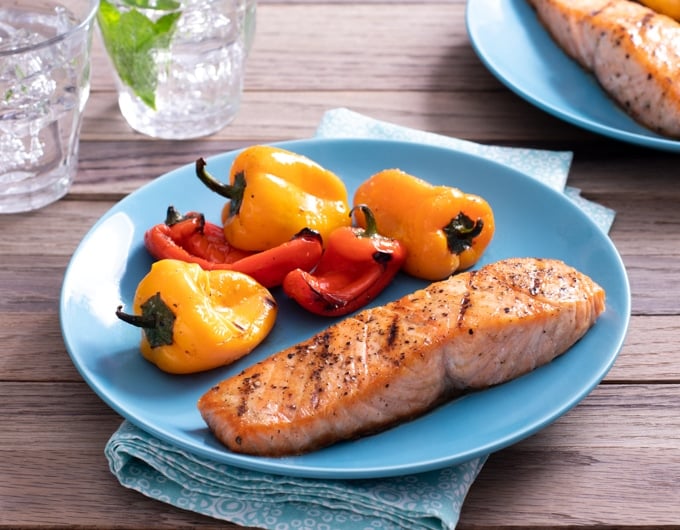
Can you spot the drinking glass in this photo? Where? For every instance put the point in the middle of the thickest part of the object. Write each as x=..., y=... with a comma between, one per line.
x=44, y=86
x=178, y=64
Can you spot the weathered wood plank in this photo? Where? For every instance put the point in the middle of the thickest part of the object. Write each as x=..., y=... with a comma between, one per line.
x=600, y=465
x=612, y=462
x=613, y=469
x=411, y=46
x=267, y=116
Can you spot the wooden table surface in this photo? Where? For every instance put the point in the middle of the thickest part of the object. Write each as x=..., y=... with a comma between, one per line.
x=612, y=462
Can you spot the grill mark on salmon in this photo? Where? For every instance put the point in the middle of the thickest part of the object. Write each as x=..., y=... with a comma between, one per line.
x=389, y=364
x=633, y=52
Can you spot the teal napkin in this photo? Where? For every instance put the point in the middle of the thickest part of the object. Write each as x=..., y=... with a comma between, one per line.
x=161, y=471
x=430, y=500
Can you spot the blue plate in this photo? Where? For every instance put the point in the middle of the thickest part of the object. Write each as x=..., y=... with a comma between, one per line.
x=516, y=48
x=532, y=220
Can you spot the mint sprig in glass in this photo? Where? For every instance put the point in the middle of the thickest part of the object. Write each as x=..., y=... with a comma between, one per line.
x=131, y=37
x=179, y=63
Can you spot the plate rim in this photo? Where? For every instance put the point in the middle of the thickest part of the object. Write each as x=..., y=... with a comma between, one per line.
x=281, y=466
x=513, y=82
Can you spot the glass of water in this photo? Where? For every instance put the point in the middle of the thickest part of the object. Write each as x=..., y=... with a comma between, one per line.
x=179, y=64
x=44, y=85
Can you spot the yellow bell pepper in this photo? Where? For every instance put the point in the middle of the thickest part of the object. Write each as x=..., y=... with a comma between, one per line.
x=273, y=194
x=670, y=8
x=444, y=229
x=195, y=320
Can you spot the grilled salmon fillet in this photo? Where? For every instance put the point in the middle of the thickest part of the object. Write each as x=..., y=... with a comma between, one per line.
x=633, y=52
x=388, y=364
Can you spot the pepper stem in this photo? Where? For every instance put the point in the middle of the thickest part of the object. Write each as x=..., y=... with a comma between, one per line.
x=157, y=321
x=460, y=231
x=234, y=192
x=173, y=216
x=371, y=225
x=139, y=321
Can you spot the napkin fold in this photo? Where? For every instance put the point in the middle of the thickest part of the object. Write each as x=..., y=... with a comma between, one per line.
x=430, y=500
x=159, y=470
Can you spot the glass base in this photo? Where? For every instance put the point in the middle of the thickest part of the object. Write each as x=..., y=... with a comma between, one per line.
x=52, y=188
x=176, y=124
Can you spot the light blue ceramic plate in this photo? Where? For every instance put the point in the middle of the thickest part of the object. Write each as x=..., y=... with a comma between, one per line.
x=532, y=220
x=515, y=47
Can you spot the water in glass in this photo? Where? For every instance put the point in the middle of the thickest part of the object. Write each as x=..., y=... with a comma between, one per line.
x=44, y=85
x=199, y=75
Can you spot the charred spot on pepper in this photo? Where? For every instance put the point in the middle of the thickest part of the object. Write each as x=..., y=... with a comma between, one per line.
x=382, y=258
x=270, y=301
x=238, y=326
x=460, y=231
x=308, y=233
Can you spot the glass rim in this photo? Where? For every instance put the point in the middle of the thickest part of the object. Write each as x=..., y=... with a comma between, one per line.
x=83, y=24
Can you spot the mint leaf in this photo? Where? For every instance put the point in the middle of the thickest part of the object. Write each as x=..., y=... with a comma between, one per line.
x=163, y=5
x=130, y=39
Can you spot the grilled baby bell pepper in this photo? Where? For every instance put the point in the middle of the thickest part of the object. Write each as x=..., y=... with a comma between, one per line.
x=273, y=194
x=357, y=264
x=192, y=239
x=195, y=320
x=444, y=229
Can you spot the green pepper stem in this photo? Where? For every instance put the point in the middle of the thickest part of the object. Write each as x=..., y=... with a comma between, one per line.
x=234, y=192
x=173, y=216
x=460, y=231
x=371, y=229
x=157, y=321
x=139, y=321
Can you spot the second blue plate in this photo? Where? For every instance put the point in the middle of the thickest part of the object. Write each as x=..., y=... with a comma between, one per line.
x=516, y=48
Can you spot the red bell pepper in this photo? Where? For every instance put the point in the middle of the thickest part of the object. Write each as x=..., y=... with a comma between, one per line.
x=356, y=266
x=192, y=239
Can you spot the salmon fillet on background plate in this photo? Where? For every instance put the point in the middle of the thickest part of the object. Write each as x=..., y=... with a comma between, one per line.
x=633, y=52
x=388, y=364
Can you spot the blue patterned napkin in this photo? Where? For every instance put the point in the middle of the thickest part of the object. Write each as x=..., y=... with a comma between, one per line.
x=251, y=498
x=431, y=500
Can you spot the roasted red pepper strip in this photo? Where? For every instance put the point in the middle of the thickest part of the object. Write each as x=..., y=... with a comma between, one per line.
x=355, y=267
x=270, y=267
x=192, y=239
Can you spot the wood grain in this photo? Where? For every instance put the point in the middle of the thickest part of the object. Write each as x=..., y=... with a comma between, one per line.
x=613, y=462
x=602, y=469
